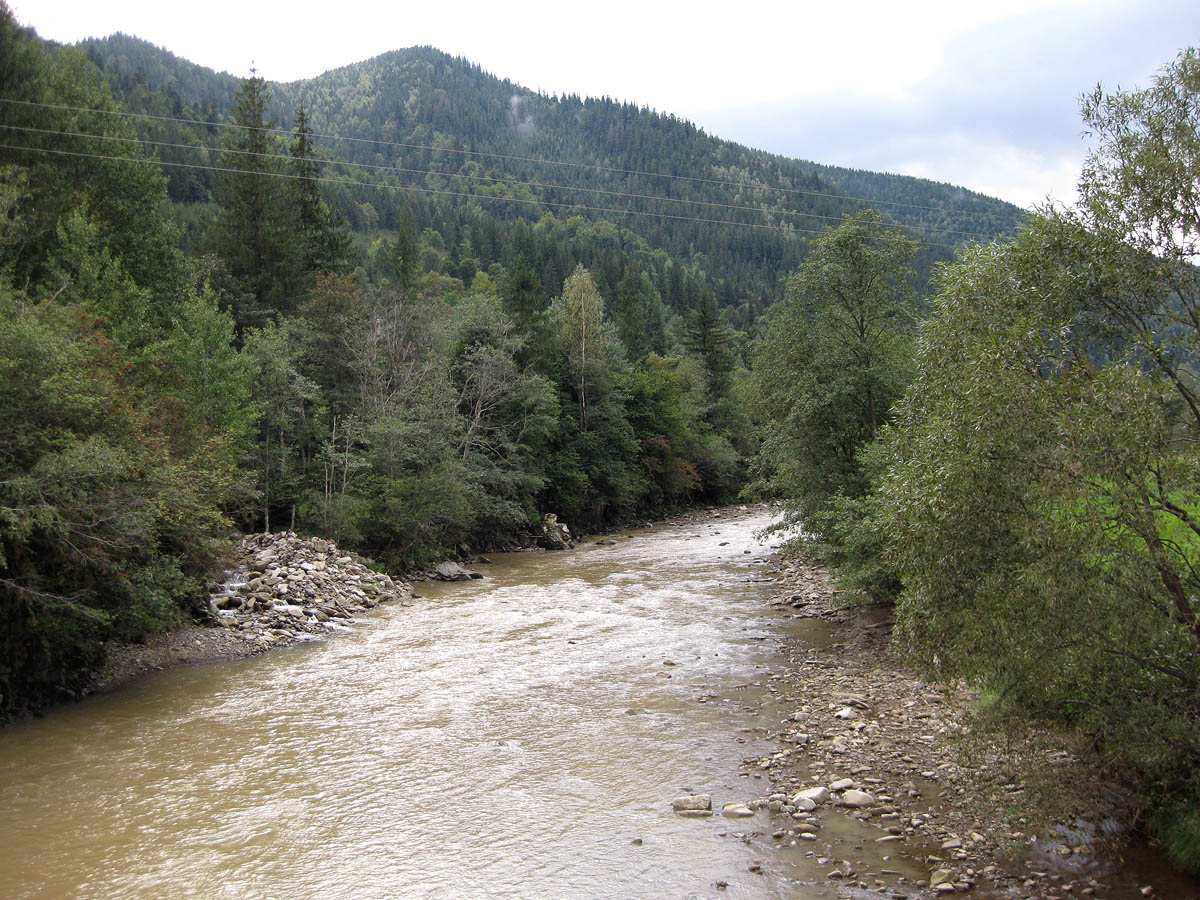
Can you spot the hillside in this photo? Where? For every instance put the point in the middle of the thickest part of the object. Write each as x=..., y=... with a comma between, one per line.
x=740, y=218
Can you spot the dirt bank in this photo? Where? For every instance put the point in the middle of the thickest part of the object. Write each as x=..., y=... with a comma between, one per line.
x=861, y=722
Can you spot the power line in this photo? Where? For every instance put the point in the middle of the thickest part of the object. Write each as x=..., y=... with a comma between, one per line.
x=421, y=190
x=479, y=153
x=145, y=142
x=786, y=229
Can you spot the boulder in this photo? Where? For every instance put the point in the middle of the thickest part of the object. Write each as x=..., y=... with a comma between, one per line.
x=692, y=803
x=451, y=571
x=736, y=811
x=555, y=535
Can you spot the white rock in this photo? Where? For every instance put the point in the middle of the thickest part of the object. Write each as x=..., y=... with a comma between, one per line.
x=857, y=798
x=736, y=810
x=841, y=784
x=816, y=795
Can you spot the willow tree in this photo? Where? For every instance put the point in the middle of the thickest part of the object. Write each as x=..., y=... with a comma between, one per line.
x=1043, y=497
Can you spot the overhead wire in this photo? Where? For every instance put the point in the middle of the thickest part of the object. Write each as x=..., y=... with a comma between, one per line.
x=507, y=182
x=481, y=154
x=424, y=190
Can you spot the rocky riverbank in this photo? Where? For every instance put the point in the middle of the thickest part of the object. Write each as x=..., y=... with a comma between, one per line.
x=280, y=590
x=866, y=738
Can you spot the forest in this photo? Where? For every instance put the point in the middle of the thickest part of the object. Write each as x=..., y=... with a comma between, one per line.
x=413, y=308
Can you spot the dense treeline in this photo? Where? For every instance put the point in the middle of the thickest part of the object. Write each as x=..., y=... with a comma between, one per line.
x=1029, y=498
x=493, y=140
x=167, y=380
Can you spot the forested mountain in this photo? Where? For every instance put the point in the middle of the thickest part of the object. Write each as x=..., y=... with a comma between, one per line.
x=405, y=305
x=738, y=218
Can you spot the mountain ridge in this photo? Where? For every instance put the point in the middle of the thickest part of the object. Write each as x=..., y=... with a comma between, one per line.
x=428, y=122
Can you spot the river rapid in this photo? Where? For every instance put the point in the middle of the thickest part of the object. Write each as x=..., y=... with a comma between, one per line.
x=519, y=736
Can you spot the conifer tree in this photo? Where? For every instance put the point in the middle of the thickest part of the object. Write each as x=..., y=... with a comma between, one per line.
x=324, y=237
x=708, y=336
x=252, y=229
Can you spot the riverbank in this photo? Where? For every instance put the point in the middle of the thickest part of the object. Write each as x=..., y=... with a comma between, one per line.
x=337, y=585
x=281, y=589
x=981, y=812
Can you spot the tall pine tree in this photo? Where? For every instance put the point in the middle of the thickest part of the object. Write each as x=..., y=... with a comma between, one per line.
x=255, y=224
x=324, y=237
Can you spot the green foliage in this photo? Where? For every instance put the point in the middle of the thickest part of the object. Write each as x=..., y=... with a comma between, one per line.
x=1178, y=827
x=101, y=180
x=210, y=378
x=1027, y=501
x=586, y=341
x=1041, y=495
x=255, y=228
x=709, y=337
x=103, y=532
x=828, y=369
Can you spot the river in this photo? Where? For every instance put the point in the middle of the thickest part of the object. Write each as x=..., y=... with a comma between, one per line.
x=517, y=736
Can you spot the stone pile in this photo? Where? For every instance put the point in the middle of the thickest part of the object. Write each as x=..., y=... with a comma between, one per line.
x=287, y=588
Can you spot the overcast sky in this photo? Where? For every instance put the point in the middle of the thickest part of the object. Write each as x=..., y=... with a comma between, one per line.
x=983, y=95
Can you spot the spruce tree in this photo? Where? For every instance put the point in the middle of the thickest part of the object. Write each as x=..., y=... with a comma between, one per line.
x=254, y=224
x=708, y=337
x=324, y=237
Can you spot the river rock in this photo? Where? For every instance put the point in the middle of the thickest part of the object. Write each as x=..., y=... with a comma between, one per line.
x=451, y=571
x=692, y=803
x=555, y=535
x=841, y=784
x=816, y=795
x=856, y=798
x=941, y=876
x=736, y=811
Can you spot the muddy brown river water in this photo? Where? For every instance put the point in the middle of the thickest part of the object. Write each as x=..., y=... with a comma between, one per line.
x=520, y=736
